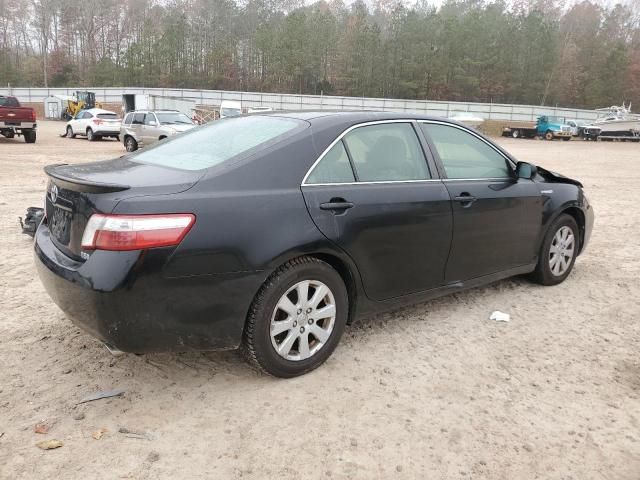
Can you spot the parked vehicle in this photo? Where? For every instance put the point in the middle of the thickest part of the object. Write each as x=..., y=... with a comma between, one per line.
x=229, y=108
x=546, y=127
x=259, y=109
x=468, y=118
x=17, y=120
x=82, y=100
x=94, y=124
x=241, y=233
x=147, y=127
x=575, y=127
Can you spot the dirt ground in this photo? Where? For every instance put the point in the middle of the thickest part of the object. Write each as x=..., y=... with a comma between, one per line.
x=435, y=391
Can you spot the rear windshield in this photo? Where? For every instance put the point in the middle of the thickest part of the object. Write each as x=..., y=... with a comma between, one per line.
x=108, y=115
x=8, y=102
x=217, y=142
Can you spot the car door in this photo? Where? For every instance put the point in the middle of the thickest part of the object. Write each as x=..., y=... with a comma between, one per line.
x=497, y=217
x=137, y=125
x=150, y=132
x=374, y=194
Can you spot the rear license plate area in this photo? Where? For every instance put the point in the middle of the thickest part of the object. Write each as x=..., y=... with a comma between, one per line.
x=60, y=224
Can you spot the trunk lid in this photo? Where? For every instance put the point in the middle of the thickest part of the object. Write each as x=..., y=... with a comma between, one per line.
x=75, y=192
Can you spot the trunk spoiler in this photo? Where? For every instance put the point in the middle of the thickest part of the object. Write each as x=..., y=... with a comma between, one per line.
x=67, y=180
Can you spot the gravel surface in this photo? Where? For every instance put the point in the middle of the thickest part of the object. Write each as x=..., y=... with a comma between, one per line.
x=433, y=391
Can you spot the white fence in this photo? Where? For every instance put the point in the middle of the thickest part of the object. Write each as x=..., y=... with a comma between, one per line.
x=279, y=101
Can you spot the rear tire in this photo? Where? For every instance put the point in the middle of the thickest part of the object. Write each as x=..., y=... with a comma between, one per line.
x=515, y=134
x=90, y=136
x=9, y=134
x=29, y=136
x=281, y=337
x=564, y=251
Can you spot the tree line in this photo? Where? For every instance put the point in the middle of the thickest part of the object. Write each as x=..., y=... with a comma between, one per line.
x=520, y=51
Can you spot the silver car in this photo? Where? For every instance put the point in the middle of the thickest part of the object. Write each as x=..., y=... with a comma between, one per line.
x=145, y=127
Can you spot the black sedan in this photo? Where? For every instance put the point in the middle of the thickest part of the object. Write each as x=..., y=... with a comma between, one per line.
x=271, y=232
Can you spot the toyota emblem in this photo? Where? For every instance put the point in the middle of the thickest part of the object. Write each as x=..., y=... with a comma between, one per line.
x=54, y=193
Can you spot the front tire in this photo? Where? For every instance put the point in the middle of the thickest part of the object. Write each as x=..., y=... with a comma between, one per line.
x=70, y=133
x=558, y=252
x=515, y=133
x=130, y=144
x=297, y=318
x=548, y=135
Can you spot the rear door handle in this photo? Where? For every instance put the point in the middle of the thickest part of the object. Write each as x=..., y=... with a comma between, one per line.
x=465, y=199
x=336, y=205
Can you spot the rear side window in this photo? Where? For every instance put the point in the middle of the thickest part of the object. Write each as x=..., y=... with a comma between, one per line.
x=108, y=116
x=464, y=155
x=8, y=102
x=218, y=142
x=386, y=152
x=333, y=168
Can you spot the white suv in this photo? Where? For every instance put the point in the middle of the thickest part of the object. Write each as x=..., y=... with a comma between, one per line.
x=94, y=124
x=146, y=127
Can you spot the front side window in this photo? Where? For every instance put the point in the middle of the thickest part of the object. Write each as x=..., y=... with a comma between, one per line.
x=386, y=152
x=128, y=119
x=217, y=142
x=464, y=155
x=333, y=168
x=138, y=119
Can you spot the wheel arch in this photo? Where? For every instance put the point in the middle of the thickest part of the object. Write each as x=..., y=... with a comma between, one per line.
x=579, y=217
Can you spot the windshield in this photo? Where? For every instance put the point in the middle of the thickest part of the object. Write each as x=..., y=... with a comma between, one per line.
x=217, y=142
x=230, y=112
x=172, y=118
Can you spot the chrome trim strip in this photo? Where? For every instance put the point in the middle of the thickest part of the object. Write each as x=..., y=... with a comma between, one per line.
x=353, y=127
x=383, y=182
x=498, y=179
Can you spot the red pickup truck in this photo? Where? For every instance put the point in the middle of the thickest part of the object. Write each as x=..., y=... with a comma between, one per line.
x=17, y=120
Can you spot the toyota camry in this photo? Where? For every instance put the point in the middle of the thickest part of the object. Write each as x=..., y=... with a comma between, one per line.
x=271, y=232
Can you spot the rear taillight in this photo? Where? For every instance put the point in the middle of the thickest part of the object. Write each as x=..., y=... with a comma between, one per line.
x=33, y=115
x=97, y=121
x=135, y=232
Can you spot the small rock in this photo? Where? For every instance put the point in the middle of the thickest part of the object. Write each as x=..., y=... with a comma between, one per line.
x=482, y=462
x=66, y=372
x=78, y=416
x=49, y=444
x=153, y=457
x=354, y=442
x=528, y=447
x=398, y=468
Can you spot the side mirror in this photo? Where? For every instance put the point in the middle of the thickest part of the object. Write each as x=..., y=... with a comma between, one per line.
x=526, y=170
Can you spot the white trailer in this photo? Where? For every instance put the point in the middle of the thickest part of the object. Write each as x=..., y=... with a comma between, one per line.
x=131, y=102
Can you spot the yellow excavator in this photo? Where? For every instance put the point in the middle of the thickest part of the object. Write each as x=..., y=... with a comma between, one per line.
x=80, y=101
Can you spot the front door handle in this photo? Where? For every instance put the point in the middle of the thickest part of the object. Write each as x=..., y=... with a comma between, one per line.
x=337, y=205
x=465, y=199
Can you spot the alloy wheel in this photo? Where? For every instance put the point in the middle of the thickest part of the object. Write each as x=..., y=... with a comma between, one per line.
x=561, y=251
x=303, y=319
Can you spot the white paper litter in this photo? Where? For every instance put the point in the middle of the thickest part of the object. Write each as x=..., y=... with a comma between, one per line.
x=499, y=316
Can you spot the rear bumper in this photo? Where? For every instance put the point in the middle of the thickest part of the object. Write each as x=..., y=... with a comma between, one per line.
x=18, y=125
x=124, y=300
x=107, y=132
